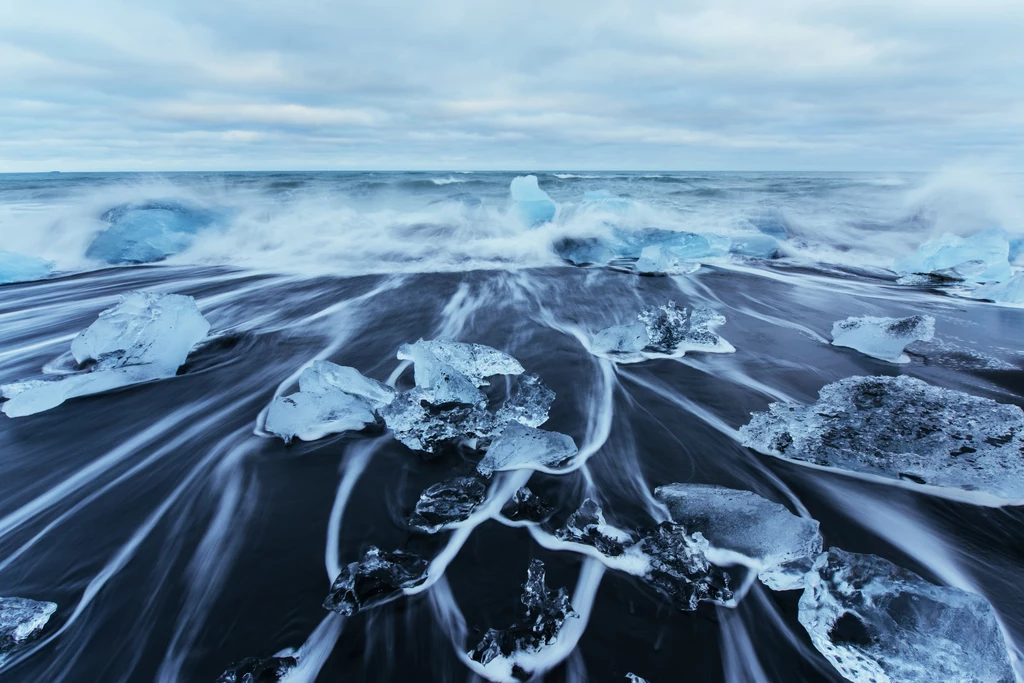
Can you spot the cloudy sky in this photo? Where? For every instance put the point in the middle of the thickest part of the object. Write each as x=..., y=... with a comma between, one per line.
x=480, y=84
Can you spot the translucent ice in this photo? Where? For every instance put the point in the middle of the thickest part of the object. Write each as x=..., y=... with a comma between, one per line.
x=905, y=429
x=526, y=506
x=545, y=612
x=259, y=670
x=662, y=260
x=588, y=526
x=883, y=338
x=522, y=447
x=756, y=246
x=532, y=204
x=530, y=403
x=331, y=399
x=143, y=233
x=875, y=621
x=982, y=257
x=453, y=370
x=20, y=620
x=631, y=338
x=146, y=336
x=663, y=331
x=379, y=577
x=22, y=268
x=679, y=567
x=584, y=251
x=1009, y=292
x=448, y=502
x=421, y=426
x=742, y=521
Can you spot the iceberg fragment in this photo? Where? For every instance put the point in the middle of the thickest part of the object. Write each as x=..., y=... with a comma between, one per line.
x=146, y=336
x=1009, y=292
x=755, y=246
x=982, y=257
x=875, y=621
x=883, y=338
x=20, y=620
x=259, y=670
x=660, y=260
x=448, y=502
x=22, y=268
x=663, y=331
x=522, y=447
x=377, y=578
x=147, y=232
x=533, y=204
x=588, y=526
x=546, y=611
x=530, y=403
x=781, y=544
x=631, y=338
x=526, y=506
x=421, y=426
x=331, y=399
x=583, y=251
x=900, y=428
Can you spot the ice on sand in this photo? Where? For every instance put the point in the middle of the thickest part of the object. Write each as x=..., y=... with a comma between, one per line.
x=377, y=578
x=780, y=543
x=522, y=447
x=533, y=204
x=151, y=231
x=22, y=268
x=448, y=502
x=331, y=399
x=982, y=257
x=875, y=621
x=883, y=338
x=20, y=620
x=1009, y=292
x=662, y=331
x=146, y=336
x=903, y=429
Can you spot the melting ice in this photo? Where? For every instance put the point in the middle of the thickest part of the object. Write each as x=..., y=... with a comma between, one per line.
x=377, y=578
x=152, y=231
x=883, y=338
x=663, y=331
x=20, y=620
x=22, y=268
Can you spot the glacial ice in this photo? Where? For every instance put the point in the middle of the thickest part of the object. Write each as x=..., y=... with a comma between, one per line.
x=331, y=399
x=582, y=251
x=146, y=336
x=532, y=204
x=1009, y=292
x=147, y=232
x=755, y=246
x=903, y=429
x=20, y=620
x=781, y=543
x=526, y=506
x=588, y=526
x=259, y=670
x=660, y=260
x=546, y=611
x=434, y=358
x=982, y=257
x=875, y=621
x=530, y=403
x=22, y=268
x=448, y=502
x=421, y=426
x=663, y=331
x=883, y=338
x=522, y=447
x=377, y=578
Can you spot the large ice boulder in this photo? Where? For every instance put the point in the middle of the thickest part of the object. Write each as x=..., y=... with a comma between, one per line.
x=982, y=257
x=23, y=268
x=1009, y=292
x=875, y=621
x=146, y=336
x=883, y=338
x=150, y=231
x=532, y=204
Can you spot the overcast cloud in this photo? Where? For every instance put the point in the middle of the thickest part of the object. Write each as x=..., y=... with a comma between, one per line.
x=476, y=84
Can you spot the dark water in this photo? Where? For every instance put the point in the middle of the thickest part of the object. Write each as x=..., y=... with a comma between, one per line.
x=176, y=541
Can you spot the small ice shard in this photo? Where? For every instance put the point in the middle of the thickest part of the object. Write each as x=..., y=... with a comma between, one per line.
x=530, y=403
x=22, y=268
x=631, y=338
x=152, y=231
x=422, y=426
x=903, y=429
x=779, y=542
x=661, y=260
x=448, y=502
x=522, y=447
x=331, y=399
x=146, y=336
x=588, y=526
x=259, y=670
x=875, y=621
x=532, y=204
x=671, y=329
x=1009, y=292
x=379, y=577
x=526, y=506
x=982, y=257
x=20, y=620
x=883, y=338
x=679, y=567
x=546, y=610
x=755, y=246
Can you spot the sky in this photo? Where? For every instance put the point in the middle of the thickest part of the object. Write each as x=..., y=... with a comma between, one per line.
x=475, y=84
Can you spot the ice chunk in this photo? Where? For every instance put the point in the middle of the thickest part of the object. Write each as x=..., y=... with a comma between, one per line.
x=778, y=541
x=904, y=429
x=146, y=336
x=20, y=620
x=522, y=447
x=672, y=329
x=530, y=403
x=152, y=231
x=982, y=257
x=875, y=621
x=755, y=246
x=424, y=427
x=584, y=251
x=546, y=611
x=1009, y=292
x=377, y=578
x=259, y=670
x=771, y=222
x=452, y=371
x=532, y=204
x=661, y=260
x=678, y=566
x=588, y=526
x=22, y=268
x=331, y=399
x=448, y=502
x=883, y=338
x=631, y=338
x=526, y=506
